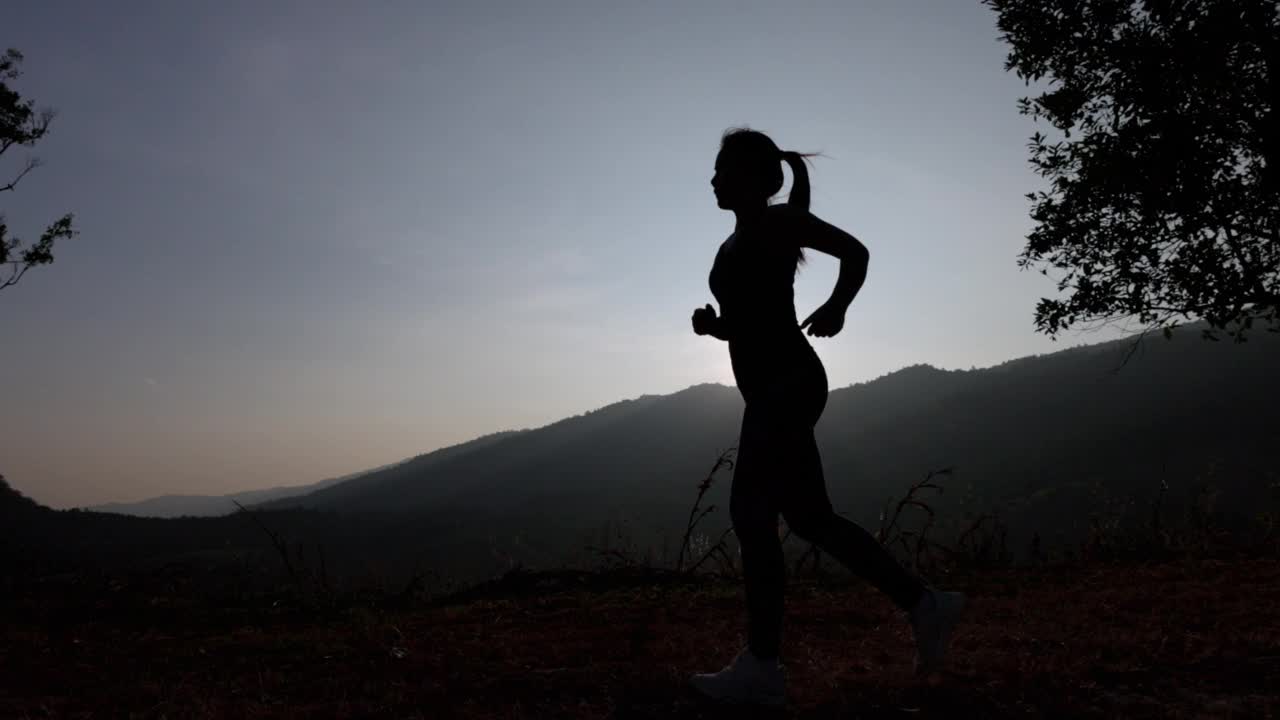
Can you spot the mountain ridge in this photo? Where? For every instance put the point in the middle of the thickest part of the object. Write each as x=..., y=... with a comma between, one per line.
x=1065, y=419
x=205, y=505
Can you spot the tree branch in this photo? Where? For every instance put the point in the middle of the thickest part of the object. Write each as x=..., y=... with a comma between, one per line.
x=19, y=270
x=32, y=164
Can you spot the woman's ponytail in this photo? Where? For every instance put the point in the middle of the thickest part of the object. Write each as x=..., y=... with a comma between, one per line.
x=799, y=197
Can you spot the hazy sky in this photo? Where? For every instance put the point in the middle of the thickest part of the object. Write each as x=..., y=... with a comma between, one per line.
x=319, y=237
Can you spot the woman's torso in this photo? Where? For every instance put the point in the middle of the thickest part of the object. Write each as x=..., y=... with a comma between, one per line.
x=753, y=280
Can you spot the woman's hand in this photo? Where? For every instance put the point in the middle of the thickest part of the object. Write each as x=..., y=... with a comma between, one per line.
x=826, y=321
x=705, y=320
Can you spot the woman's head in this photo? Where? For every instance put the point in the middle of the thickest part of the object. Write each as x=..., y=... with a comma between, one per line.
x=749, y=171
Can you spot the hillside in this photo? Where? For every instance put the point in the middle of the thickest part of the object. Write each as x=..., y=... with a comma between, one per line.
x=14, y=504
x=1047, y=439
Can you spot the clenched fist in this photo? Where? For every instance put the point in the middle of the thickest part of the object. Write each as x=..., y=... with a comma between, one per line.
x=705, y=320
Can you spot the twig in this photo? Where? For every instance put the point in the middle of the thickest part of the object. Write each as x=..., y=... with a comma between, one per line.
x=31, y=164
x=280, y=545
x=694, y=517
x=718, y=546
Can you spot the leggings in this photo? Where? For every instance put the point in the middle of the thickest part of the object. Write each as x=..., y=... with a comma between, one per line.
x=779, y=470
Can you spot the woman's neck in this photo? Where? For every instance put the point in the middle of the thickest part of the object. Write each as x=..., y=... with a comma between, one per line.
x=748, y=216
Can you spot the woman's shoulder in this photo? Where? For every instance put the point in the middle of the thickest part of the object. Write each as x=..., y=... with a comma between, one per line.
x=785, y=211
x=786, y=224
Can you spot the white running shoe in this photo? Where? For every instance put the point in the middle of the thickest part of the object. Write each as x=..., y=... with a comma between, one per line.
x=932, y=620
x=745, y=680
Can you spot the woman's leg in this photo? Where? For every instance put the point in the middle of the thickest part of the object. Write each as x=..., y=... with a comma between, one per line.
x=808, y=512
x=753, y=509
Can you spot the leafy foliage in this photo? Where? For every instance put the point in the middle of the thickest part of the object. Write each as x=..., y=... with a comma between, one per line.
x=21, y=124
x=1164, y=197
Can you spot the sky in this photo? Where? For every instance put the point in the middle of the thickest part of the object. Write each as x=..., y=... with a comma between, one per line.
x=317, y=237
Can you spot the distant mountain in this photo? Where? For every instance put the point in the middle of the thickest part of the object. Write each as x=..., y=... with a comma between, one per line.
x=172, y=506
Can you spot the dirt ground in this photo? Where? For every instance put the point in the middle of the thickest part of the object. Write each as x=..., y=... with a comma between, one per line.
x=1183, y=639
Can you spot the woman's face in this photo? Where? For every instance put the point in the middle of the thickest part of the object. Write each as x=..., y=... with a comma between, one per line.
x=735, y=185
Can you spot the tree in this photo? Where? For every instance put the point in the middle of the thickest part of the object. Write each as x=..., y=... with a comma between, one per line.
x=1164, y=184
x=22, y=125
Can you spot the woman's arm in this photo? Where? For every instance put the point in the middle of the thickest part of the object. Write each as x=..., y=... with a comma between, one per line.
x=812, y=232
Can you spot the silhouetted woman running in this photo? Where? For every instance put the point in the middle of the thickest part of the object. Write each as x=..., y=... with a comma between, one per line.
x=784, y=387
